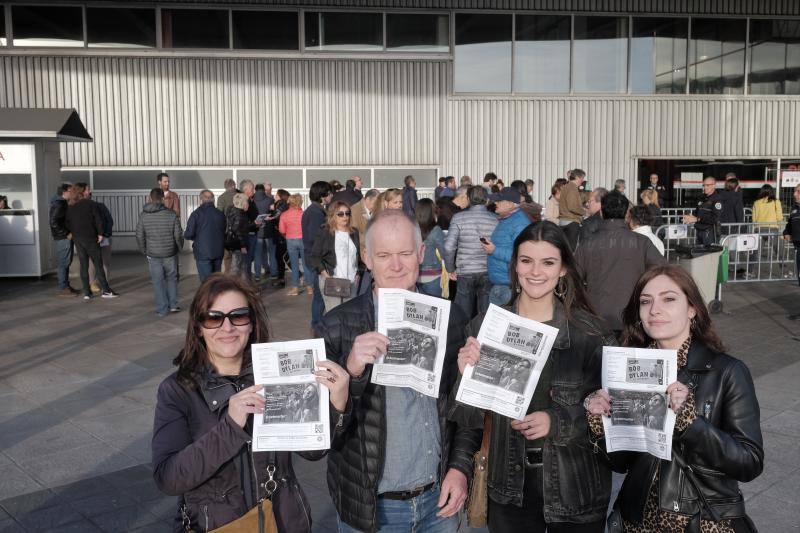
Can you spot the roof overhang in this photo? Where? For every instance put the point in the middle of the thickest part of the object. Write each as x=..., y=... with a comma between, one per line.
x=48, y=124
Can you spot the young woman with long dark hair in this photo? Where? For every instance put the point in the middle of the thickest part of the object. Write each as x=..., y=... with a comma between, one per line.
x=430, y=270
x=543, y=473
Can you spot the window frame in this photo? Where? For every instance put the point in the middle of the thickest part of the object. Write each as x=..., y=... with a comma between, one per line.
x=10, y=25
x=156, y=20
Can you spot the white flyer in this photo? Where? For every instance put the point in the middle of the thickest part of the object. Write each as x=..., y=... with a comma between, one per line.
x=513, y=353
x=296, y=415
x=416, y=325
x=637, y=380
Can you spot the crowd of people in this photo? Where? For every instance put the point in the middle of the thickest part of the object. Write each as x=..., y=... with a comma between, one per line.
x=586, y=263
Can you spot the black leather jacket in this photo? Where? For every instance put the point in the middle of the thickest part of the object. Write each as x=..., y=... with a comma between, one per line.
x=58, y=216
x=723, y=445
x=201, y=455
x=355, y=460
x=577, y=477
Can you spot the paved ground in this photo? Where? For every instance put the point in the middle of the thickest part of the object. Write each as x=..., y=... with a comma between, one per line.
x=78, y=380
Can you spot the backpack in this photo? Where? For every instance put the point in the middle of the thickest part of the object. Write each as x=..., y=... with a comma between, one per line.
x=232, y=241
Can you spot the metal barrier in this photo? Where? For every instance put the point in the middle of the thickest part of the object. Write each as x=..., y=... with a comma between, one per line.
x=674, y=215
x=673, y=235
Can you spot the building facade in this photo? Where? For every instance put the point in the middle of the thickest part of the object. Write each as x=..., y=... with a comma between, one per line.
x=295, y=91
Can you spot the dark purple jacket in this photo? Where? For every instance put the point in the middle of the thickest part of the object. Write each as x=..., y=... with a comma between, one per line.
x=201, y=455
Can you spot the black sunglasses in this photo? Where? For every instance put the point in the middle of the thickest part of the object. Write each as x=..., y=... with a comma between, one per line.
x=237, y=317
x=341, y=214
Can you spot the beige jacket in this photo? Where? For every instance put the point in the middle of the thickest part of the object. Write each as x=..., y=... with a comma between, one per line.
x=570, y=206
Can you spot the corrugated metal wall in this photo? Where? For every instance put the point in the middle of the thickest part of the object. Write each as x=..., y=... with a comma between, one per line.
x=333, y=112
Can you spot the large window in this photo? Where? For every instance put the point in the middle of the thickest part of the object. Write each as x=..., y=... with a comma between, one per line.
x=483, y=53
x=265, y=30
x=541, y=53
x=195, y=28
x=774, y=57
x=599, y=63
x=121, y=27
x=47, y=26
x=417, y=33
x=343, y=30
x=658, y=55
x=716, y=56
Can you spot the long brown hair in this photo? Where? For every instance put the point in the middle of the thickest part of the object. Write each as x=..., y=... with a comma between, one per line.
x=574, y=294
x=330, y=221
x=702, y=329
x=193, y=357
x=76, y=193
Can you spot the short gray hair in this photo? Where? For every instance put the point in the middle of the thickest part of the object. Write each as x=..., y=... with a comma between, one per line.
x=462, y=191
x=245, y=183
x=392, y=215
x=206, y=196
x=477, y=195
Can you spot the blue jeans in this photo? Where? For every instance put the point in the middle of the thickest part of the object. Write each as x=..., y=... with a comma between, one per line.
x=500, y=295
x=407, y=516
x=265, y=256
x=295, y=249
x=63, y=252
x=164, y=274
x=251, y=255
x=431, y=288
x=317, y=303
x=206, y=267
x=472, y=293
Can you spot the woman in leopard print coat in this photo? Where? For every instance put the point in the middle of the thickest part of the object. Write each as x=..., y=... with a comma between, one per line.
x=717, y=433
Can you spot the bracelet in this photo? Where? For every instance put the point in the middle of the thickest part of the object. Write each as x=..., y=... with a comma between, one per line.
x=586, y=402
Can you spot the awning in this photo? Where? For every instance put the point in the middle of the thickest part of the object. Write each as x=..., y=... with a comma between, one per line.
x=56, y=124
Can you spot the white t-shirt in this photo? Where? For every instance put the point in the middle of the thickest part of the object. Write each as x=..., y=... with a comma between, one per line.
x=346, y=257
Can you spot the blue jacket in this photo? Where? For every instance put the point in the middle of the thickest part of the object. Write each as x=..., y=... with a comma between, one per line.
x=313, y=219
x=206, y=227
x=503, y=238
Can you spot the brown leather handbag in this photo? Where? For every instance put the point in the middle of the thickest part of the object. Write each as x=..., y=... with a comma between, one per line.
x=478, y=502
x=259, y=519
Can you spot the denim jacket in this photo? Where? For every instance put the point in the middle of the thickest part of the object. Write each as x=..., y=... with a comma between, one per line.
x=434, y=241
x=577, y=476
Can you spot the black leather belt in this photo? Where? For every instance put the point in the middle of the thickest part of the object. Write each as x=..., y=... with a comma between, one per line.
x=533, y=457
x=406, y=494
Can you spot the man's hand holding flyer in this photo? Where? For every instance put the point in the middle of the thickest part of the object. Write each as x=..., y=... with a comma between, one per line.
x=296, y=416
x=513, y=353
x=416, y=325
x=637, y=380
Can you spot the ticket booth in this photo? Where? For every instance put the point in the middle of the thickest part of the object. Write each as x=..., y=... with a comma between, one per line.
x=30, y=172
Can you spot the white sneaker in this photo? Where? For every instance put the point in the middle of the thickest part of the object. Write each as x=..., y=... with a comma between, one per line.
x=110, y=294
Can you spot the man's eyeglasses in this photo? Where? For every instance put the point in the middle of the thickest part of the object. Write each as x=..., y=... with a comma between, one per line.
x=237, y=317
x=341, y=214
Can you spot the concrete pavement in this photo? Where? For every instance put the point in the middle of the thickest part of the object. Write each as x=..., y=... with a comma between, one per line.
x=78, y=382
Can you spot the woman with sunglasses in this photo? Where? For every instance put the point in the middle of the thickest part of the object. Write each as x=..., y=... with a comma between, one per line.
x=336, y=255
x=203, y=416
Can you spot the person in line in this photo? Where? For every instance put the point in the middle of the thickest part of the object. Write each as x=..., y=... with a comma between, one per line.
x=171, y=199
x=594, y=213
x=551, y=208
x=717, y=440
x=437, y=192
x=249, y=189
x=465, y=181
x=204, y=416
x=62, y=239
x=351, y=193
x=640, y=221
x=389, y=199
x=489, y=181
x=461, y=197
x=410, y=195
x=224, y=201
x=263, y=203
x=400, y=465
x=361, y=212
x=290, y=226
x=446, y=208
x=84, y=223
x=529, y=186
x=206, y=227
x=277, y=251
x=500, y=247
x=320, y=195
x=654, y=185
x=336, y=253
x=706, y=217
x=767, y=211
x=792, y=234
x=543, y=473
x=613, y=259
x=651, y=202
x=160, y=238
x=237, y=231
x=619, y=186
x=105, y=244
x=570, y=205
x=465, y=257
x=531, y=209
x=4, y=202
x=732, y=203
x=430, y=270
